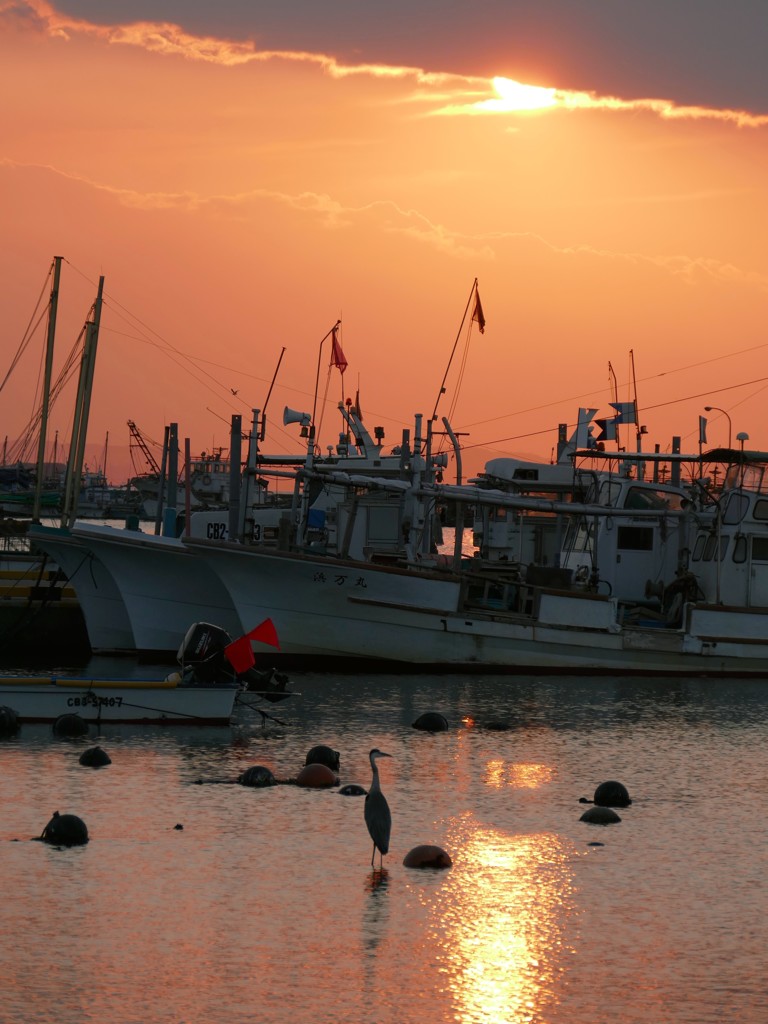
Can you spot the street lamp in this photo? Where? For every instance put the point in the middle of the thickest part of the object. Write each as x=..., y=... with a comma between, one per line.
x=715, y=408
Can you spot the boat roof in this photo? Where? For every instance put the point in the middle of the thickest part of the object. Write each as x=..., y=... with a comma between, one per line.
x=713, y=455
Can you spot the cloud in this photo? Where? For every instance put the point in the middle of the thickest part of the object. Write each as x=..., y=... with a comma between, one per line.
x=512, y=97
x=468, y=95
x=387, y=217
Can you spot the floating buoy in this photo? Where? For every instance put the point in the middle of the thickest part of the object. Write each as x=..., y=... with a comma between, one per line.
x=324, y=755
x=316, y=776
x=431, y=721
x=611, y=794
x=257, y=775
x=600, y=816
x=70, y=725
x=9, y=721
x=427, y=857
x=65, y=830
x=352, y=789
x=95, y=757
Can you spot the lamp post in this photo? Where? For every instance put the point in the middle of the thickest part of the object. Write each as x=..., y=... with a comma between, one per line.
x=715, y=408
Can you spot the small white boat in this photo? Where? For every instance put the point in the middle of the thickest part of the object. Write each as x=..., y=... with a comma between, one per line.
x=163, y=701
x=215, y=674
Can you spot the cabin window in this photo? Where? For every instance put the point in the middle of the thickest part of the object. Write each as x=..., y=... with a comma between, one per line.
x=740, y=549
x=736, y=508
x=760, y=549
x=760, y=511
x=635, y=538
x=711, y=547
x=382, y=525
x=698, y=547
x=645, y=497
x=609, y=492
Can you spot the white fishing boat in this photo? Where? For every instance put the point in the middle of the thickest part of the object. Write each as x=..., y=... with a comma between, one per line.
x=137, y=591
x=212, y=681
x=650, y=581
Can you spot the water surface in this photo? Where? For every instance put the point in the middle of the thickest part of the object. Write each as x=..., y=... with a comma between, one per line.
x=264, y=907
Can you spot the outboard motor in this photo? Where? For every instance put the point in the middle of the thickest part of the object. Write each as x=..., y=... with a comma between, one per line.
x=202, y=656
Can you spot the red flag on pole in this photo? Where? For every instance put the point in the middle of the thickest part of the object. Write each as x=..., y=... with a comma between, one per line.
x=337, y=356
x=478, y=314
x=265, y=632
x=240, y=654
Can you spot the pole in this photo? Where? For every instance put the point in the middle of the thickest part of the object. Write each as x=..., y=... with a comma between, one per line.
x=235, y=448
x=441, y=392
x=82, y=412
x=53, y=306
x=317, y=378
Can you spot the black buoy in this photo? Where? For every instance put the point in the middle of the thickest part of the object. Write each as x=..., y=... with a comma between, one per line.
x=611, y=794
x=324, y=755
x=95, y=757
x=352, y=789
x=70, y=725
x=257, y=776
x=431, y=721
x=427, y=856
x=65, y=830
x=9, y=721
x=600, y=816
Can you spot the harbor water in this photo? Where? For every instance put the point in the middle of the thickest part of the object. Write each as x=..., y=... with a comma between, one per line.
x=200, y=900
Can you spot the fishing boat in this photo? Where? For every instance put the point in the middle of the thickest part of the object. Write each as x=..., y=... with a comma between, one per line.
x=651, y=579
x=215, y=677
x=138, y=590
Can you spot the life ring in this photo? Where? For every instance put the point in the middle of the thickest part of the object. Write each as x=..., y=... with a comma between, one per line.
x=206, y=480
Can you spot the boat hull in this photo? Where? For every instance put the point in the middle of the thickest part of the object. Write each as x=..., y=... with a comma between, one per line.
x=44, y=699
x=338, y=610
x=137, y=591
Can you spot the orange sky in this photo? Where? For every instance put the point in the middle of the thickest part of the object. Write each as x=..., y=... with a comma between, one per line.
x=238, y=203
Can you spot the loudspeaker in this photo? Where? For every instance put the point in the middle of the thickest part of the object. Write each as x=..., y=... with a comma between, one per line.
x=292, y=416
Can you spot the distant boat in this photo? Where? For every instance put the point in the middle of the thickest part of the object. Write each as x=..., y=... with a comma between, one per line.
x=205, y=691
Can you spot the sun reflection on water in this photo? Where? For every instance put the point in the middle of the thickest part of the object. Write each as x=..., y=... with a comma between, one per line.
x=503, y=923
x=520, y=775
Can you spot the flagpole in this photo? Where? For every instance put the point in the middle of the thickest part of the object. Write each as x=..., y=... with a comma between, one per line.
x=317, y=378
x=453, y=351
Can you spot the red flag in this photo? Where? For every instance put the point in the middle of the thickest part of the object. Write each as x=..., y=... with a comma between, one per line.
x=265, y=632
x=337, y=356
x=478, y=314
x=240, y=654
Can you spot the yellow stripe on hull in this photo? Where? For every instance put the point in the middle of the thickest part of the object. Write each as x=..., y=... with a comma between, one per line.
x=88, y=684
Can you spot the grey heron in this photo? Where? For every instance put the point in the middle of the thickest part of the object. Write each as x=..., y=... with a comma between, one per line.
x=377, y=814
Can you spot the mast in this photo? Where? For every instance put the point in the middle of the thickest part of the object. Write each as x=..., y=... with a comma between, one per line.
x=82, y=412
x=638, y=431
x=53, y=305
x=478, y=315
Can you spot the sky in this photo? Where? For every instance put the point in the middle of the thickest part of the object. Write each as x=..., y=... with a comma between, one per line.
x=244, y=175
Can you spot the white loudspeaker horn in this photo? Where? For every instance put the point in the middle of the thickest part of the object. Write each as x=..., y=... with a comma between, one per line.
x=292, y=416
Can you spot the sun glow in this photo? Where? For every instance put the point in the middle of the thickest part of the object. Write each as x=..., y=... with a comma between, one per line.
x=514, y=95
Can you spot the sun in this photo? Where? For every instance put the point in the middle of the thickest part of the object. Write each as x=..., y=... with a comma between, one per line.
x=514, y=95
